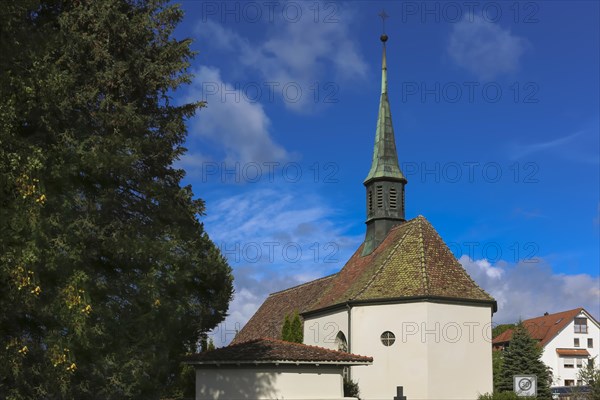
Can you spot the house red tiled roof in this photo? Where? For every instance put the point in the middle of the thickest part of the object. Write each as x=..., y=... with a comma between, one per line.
x=573, y=352
x=267, y=350
x=412, y=261
x=268, y=319
x=543, y=328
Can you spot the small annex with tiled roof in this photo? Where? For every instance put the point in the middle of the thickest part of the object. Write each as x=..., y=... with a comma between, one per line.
x=569, y=340
x=272, y=351
x=272, y=369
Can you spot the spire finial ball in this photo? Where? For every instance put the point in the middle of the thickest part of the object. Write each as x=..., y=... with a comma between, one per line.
x=384, y=38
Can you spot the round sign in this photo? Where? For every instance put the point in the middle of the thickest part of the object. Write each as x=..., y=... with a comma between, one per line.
x=525, y=384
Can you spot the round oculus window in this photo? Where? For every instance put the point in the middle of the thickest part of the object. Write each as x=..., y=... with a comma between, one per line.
x=388, y=338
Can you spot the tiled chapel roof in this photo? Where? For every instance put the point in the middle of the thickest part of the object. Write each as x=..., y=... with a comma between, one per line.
x=412, y=262
x=268, y=319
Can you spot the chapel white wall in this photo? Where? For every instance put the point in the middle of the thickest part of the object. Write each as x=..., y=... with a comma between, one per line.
x=323, y=329
x=441, y=350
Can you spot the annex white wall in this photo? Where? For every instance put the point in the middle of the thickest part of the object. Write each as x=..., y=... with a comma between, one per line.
x=441, y=351
x=258, y=383
x=565, y=339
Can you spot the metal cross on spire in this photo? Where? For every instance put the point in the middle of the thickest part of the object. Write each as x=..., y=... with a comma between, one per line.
x=383, y=16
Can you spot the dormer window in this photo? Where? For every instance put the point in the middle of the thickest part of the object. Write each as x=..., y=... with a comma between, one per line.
x=581, y=325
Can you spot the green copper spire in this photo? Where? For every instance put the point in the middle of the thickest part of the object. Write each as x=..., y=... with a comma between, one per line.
x=385, y=158
x=385, y=182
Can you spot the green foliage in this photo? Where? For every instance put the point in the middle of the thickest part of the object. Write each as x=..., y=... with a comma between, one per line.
x=590, y=376
x=523, y=356
x=497, y=362
x=502, y=396
x=498, y=329
x=292, y=330
x=206, y=344
x=107, y=275
x=286, y=329
x=296, y=328
x=351, y=388
x=211, y=345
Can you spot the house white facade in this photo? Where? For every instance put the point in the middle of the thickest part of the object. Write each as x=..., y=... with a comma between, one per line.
x=573, y=348
x=570, y=341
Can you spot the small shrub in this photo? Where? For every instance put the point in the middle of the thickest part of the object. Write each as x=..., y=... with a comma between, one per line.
x=502, y=396
x=351, y=388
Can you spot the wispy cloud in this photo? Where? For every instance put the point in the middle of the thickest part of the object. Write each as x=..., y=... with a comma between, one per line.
x=239, y=126
x=484, y=48
x=275, y=236
x=530, y=213
x=581, y=146
x=302, y=54
x=529, y=289
x=523, y=150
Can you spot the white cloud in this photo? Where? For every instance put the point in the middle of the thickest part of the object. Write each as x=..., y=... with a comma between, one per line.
x=484, y=48
x=275, y=238
x=529, y=289
x=237, y=124
x=304, y=54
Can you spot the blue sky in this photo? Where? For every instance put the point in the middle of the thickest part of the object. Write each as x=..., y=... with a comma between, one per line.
x=496, y=114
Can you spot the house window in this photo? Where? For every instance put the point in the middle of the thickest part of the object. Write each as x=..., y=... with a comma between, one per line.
x=569, y=382
x=590, y=343
x=581, y=325
x=579, y=362
x=379, y=196
x=576, y=342
x=388, y=338
x=579, y=382
x=569, y=363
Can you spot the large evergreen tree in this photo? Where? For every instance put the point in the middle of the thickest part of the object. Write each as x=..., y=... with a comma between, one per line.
x=523, y=357
x=107, y=275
